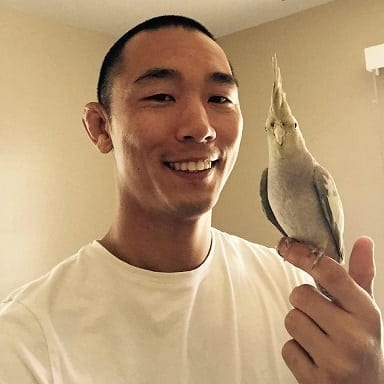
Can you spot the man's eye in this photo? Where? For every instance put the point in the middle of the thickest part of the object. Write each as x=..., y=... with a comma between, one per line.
x=219, y=100
x=161, y=97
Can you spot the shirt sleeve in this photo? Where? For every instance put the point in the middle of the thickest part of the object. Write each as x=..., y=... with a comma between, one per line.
x=24, y=357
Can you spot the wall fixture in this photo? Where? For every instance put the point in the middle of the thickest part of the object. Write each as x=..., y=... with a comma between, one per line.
x=374, y=60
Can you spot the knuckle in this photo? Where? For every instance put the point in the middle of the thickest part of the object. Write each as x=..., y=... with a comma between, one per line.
x=286, y=352
x=301, y=295
x=361, y=346
x=374, y=318
x=369, y=327
x=338, y=371
x=346, y=367
x=331, y=275
x=289, y=321
x=292, y=321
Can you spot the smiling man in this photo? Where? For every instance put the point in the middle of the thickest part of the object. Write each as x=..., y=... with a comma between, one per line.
x=174, y=123
x=163, y=297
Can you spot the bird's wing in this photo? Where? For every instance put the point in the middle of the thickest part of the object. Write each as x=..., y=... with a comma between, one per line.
x=331, y=205
x=265, y=202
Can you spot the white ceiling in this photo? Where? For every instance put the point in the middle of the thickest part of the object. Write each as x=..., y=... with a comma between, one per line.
x=114, y=17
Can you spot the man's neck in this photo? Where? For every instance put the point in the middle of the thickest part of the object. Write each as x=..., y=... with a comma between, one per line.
x=159, y=244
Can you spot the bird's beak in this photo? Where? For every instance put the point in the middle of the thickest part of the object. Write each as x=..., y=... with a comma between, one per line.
x=279, y=133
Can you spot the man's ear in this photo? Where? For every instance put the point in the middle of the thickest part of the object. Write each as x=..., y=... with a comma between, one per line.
x=95, y=121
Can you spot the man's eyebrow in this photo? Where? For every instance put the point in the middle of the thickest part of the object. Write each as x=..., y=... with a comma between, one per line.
x=158, y=73
x=168, y=73
x=223, y=78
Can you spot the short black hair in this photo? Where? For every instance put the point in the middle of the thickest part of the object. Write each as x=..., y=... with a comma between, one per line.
x=115, y=54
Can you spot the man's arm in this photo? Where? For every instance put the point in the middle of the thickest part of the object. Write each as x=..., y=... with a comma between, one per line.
x=23, y=350
x=335, y=342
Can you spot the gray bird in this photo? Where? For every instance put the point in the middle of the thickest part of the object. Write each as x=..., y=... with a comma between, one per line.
x=298, y=195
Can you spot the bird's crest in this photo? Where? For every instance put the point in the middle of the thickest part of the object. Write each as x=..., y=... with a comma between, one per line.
x=279, y=105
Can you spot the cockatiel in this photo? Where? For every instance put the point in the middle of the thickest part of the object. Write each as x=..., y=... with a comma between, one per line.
x=298, y=195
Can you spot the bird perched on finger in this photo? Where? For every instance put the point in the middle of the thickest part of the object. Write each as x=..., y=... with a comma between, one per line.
x=298, y=195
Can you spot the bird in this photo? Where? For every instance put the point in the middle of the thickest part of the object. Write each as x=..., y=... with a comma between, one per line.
x=299, y=196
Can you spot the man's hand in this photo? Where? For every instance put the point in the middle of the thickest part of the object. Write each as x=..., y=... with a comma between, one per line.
x=339, y=341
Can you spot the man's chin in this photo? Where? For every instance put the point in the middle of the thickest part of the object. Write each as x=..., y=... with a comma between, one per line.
x=193, y=210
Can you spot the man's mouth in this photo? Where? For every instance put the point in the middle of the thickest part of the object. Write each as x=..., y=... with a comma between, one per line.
x=192, y=166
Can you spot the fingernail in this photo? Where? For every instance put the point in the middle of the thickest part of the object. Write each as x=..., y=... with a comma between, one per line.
x=283, y=245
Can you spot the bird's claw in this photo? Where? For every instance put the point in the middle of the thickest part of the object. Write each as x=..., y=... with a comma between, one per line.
x=283, y=244
x=318, y=253
x=286, y=242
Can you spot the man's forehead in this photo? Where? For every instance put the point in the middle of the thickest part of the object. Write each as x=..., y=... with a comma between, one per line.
x=161, y=47
x=168, y=34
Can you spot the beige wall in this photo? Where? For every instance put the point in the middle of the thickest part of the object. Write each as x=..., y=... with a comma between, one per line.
x=320, y=53
x=56, y=190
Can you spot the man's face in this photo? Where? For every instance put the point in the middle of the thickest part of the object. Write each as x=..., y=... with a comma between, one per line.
x=175, y=122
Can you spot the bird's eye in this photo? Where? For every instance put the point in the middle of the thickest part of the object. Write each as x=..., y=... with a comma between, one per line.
x=295, y=125
x=283, y=124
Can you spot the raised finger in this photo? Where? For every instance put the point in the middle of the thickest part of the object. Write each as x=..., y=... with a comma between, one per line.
x=325, y=271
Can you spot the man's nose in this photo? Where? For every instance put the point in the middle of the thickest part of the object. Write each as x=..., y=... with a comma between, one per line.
x=194, y=124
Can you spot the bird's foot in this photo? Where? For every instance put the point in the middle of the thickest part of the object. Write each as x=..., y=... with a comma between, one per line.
x=318, y=253
x=284, y=243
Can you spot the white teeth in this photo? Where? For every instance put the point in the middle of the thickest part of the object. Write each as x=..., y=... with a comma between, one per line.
x=200, y=165
x=192, y=166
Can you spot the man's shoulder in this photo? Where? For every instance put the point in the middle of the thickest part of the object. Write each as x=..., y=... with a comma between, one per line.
x=257, y=259
x=239, y=244
x=53, y=280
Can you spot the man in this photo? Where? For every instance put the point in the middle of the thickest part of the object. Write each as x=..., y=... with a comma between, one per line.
x=163, y=297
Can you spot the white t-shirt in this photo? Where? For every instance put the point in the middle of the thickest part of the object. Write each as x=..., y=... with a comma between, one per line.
x=97, y=320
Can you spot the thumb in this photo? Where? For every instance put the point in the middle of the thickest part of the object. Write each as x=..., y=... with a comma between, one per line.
x=362, y=263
